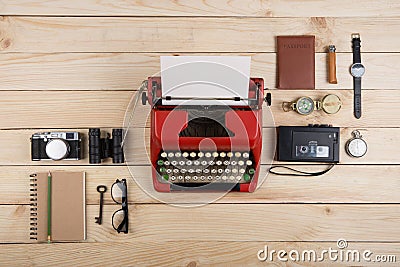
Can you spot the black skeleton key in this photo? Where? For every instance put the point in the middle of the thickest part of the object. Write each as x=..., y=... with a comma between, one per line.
x=101, y=189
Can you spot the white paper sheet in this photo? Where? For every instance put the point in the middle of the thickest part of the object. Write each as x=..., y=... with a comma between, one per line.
x=212, y=77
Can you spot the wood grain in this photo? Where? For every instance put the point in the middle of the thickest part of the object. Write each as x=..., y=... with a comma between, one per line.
x=126, y=71
x=177, y=253
x=163, y=34
x=230, y=222
x=248, y=8
x=382, y=147
x=83, y=109
x=343, y=184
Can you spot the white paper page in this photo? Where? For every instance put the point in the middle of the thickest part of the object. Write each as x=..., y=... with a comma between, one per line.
x=205, y=77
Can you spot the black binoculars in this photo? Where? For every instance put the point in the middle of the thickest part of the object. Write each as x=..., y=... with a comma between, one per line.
x=101, y=148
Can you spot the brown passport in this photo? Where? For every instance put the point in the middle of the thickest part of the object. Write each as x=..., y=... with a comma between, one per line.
x=296, y=62
x=68, y=221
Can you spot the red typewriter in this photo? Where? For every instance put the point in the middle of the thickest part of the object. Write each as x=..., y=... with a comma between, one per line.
x=197, y=147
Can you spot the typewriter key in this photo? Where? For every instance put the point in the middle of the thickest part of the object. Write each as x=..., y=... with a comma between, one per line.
x=208, y=155
x=249, y=162
x=251, y=171
x=181, y=163
x=247, y=177
x=200, y=154
x=233, y=163
x=162, y=169
x=174, y=162
x=238, y=178
x=238, y=154
x=234, y=171
x=226, y=162
x=178, y=154
x=229, y=154
x=193, y=154
x=241, y=162
x=215, y=154
x=222, y=154
x=220, y=170
x=213, y=171
x=170, y=154
x=160, y=162
x=187, y=177
x=227, y=170
x=166, y=177
x=173, y=178
x=163, y=154
x=202, y=178
x=210, y=178
x=185, y=154
x=224, y=177
x=180, y=177
x=219, y=162
x=183, y=170
x=206, y=170
x=242, y=171
x=196, y=163
x=232, y=177
x=195, y=178
x=204, y=163
x=245, y=155
x=211, y=163
x=169, y=171
x=189, y=162
x=166, y=163
x=176, y=170
x=191, y=171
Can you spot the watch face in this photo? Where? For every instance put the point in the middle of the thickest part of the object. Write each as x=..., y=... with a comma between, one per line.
x=305, y=105
x=357, y=70
x=357, y=147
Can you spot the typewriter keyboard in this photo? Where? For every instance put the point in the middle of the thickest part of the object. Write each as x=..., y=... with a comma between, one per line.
x=205, y=167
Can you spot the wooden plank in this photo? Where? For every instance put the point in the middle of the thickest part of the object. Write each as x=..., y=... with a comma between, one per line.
x=183, y=253
x=248, y=8
x=382, y=147
x=82, y=109
x=163, y=34
x=126, y=71
x=343, y=184
x=229, y=222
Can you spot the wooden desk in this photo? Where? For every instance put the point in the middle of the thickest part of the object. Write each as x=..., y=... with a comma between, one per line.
x=76, y=64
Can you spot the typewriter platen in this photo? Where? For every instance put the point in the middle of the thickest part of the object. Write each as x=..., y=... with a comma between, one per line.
x=198, y=147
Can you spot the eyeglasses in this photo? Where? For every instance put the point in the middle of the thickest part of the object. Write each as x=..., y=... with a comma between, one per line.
x=119, y=194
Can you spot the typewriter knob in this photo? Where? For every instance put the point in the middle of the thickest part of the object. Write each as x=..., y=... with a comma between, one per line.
x=268, y=99
x=144, y=98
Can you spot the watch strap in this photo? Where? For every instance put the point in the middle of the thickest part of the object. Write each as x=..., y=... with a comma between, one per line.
x=356, y=50
x=357, y=97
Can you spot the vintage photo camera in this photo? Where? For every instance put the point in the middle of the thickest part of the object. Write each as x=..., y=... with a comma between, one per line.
x=101, y=148
x=56, y=146
x=314, y=143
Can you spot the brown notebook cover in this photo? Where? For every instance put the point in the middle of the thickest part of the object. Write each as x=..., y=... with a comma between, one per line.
x=67, y=206
x=296, y=62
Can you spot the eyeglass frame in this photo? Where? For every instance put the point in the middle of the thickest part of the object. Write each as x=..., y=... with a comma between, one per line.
x=124, y=204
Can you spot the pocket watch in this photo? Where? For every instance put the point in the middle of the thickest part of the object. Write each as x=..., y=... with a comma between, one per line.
x=356, y=146
x=330, y=104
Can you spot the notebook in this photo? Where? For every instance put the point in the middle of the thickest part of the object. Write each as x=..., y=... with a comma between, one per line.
x=296, y=62
x=68, y=210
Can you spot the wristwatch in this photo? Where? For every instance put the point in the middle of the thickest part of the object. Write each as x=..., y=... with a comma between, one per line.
x=357, y=70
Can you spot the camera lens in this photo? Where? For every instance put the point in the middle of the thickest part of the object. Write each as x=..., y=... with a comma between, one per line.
x=94, y=146
x=118, y=154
